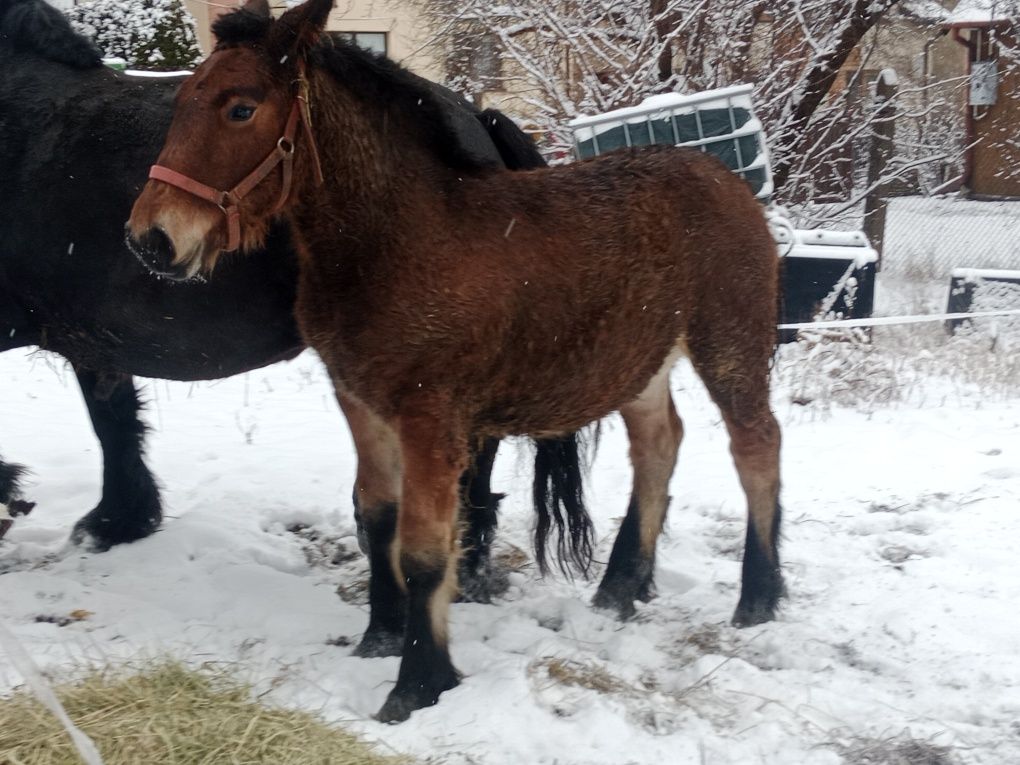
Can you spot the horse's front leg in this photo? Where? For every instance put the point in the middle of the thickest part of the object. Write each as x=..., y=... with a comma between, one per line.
x=376, y=498
x=130, y=507
x=434, y=455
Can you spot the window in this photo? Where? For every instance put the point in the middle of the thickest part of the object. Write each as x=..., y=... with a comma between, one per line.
x=373, y=41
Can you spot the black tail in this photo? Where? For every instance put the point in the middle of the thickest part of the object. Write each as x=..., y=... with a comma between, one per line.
x=9, y=476
x=559, y=497
x=516, y=149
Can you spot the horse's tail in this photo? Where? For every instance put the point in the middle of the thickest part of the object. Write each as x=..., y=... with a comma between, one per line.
x=559, y=498
x=516, y=149
x=9, y=481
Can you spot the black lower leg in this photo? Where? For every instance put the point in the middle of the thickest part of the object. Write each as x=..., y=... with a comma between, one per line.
x=761, y=579
x=629, y=575
x=387, y=602
x=426, y=669
x=10, y=492
x=479, y=582
x=129, y=508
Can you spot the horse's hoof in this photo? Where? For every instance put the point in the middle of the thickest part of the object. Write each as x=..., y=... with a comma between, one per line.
x=378, y=644
x=758, y=604
x=750, y=615
x=482, y=584
x=646, y=592
x=101, y=530
x=752, y=611
x=402, y=702
x=611, y=599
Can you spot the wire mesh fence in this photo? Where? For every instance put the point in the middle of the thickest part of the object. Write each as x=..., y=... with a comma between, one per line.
x=930, y=237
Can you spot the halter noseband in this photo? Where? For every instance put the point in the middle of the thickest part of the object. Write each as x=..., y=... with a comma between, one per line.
x=229, y=201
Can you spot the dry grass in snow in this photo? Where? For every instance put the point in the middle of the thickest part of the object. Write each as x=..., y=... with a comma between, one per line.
x=172, y=715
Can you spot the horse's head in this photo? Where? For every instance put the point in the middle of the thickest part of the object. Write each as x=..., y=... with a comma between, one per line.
x=225, y=168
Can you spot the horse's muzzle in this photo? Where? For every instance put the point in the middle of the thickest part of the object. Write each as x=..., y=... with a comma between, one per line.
x=156, y=252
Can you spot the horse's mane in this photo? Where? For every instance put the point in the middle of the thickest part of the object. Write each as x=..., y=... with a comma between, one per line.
x=374, y=78
x=35, y=26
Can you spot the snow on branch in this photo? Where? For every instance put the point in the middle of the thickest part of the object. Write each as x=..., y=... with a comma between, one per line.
x=548, y=62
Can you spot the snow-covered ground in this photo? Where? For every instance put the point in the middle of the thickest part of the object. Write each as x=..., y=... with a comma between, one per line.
x=901, y=628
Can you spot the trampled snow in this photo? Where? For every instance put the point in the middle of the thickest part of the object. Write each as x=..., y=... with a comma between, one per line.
x=900, y=549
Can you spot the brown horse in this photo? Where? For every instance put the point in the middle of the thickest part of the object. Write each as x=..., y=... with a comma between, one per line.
x=450, y=298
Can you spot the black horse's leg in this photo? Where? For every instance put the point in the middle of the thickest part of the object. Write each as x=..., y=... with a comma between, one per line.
x=376, y=493
x=479, y=580
x=130, y=505
x=742, y=394
x=655, y=432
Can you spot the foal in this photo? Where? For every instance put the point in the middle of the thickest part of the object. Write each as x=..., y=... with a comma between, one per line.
x=472, y=300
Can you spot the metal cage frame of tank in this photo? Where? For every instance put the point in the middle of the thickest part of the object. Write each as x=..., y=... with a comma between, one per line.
x=645, y=122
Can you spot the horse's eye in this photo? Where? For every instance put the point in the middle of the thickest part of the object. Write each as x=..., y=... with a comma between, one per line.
x=241, y=113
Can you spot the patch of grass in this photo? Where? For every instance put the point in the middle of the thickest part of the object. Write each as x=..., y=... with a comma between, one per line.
x=171, y=715
x=901, y=749
x=580, y=674
x=512, y=559
x=895, y=365
x=354, y=591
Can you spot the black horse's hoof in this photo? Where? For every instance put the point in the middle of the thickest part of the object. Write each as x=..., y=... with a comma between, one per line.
x=100, y=529
x=482, y=583
x=759, y=607
x=758, y=604
x=622, y=607
x=376, y=644
x=749, y=615
x=403, y=701
x=618, y=591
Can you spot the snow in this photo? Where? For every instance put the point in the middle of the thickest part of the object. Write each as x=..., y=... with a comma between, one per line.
x=738, y=96
x=925, y=9
x=899, y=554
x=982, y=12
x=156, y=75
x=663, y=105
x=974, y=274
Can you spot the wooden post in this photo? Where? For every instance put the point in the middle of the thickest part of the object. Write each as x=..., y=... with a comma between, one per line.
x=883, y=133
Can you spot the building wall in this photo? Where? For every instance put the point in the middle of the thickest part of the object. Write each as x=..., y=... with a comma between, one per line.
x=401, y=22
x=931, y=102
x=995, y=169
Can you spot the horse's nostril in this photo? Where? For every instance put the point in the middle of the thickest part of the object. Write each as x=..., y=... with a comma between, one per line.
x=154, y=249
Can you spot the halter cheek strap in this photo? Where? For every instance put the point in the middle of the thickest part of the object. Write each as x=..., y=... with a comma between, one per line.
x=283, y=154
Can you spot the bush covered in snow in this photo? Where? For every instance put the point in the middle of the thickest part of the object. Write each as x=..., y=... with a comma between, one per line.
x=148, y=34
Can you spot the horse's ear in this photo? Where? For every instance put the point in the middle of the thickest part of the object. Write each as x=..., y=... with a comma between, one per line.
x=249, y=22
x=299, y=28
x=258, y=7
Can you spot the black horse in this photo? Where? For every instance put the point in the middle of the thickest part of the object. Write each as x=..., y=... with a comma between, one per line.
x=69, y=127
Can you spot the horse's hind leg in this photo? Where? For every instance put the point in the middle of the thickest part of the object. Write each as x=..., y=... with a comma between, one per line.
x=655, y=432
x=479, y=582
x=433, y=456
x=738, y=382
x=129, y=508
x=376, y=496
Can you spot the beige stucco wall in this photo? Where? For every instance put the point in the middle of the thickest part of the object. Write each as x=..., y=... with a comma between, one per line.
x=405, y=29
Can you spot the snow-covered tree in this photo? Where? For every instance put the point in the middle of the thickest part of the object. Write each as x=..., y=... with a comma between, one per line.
x=148, y=34
x=563, y=58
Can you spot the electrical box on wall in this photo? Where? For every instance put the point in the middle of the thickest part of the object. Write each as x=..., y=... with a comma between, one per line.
x=984, y=83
